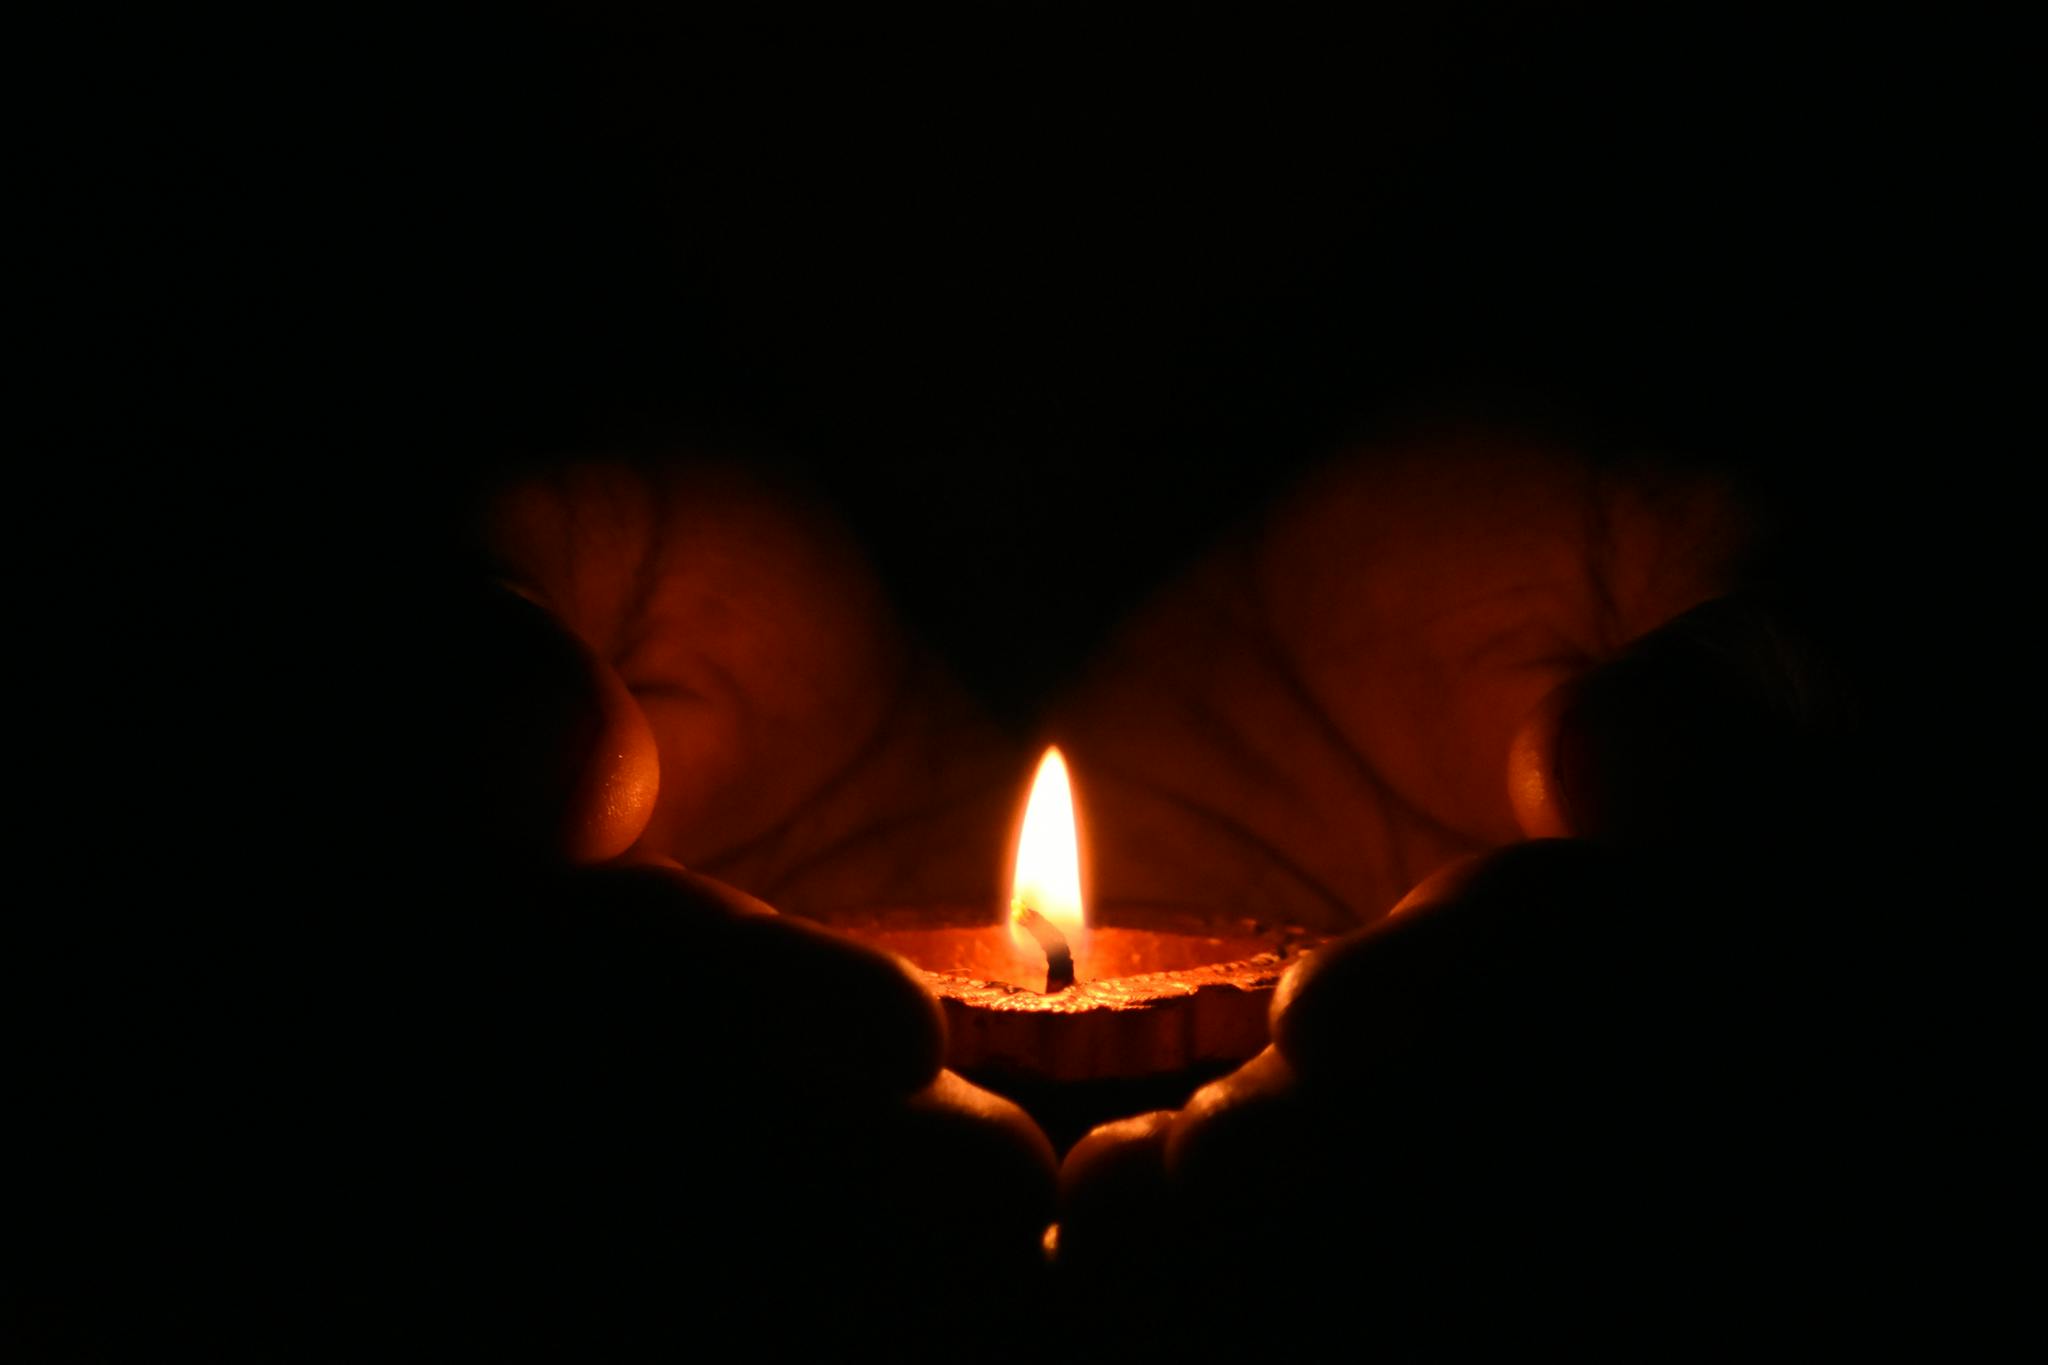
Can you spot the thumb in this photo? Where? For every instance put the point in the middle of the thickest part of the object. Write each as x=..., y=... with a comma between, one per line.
x=556, y=760
x=1716, y=727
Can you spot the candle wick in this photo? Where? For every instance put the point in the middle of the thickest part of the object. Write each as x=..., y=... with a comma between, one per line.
x=1059, y=958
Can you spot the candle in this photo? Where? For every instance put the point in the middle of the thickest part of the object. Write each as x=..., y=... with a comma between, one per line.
x=1041, y=995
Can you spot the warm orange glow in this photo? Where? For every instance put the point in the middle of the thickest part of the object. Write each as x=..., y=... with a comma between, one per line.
x=1048, y=870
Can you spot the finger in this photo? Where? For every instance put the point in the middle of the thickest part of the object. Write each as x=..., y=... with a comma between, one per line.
x=1715, y=729
x=1261, y=1182
x=1430, y=592
x=1318, y=714
x=1172, y=1223
x=667, y=984
x=869, y=1215
x=557, y=761
x=1497, y=959
x=1115, y=1166
x=933, y=1210
x=665, y=1101
x=1233, y=1138
x=1118, y=1250
x=1113, y=1195
x=744, y=620
x=1461, y=1081
x=984, y=1142
x=808, y=750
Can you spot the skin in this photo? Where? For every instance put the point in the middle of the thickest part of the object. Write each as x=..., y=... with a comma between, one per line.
x=1320, y=714
x=682, y=659
x=808, y=753
x=679, y=664
x=1310, y=721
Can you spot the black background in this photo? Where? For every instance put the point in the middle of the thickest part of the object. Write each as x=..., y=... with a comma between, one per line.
x=1043, y=298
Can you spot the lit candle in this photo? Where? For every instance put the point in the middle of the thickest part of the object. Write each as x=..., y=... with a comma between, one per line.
x=1045, y=881
x=1042, y=995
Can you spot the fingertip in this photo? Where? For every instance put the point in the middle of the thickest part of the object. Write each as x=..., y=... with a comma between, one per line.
x=1111, y=1156
x=1236, y=1137
x=1263, y=1076
x=612, y=802
x=673, y=969
x=849, y=1015
x=1115, y=1208
x=727, y=896
x=1533, y=789
x=954, y=1095
x=1490, y=951
x=557, y=761
x=1717, y=729
x=1458, y=878
x=954, y=1136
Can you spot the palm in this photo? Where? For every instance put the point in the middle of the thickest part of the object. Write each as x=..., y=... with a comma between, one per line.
x=1311, y=720
x=1321, y=713
x=809, y=754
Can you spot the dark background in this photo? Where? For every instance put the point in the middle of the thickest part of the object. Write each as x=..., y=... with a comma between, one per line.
x=1044, y=297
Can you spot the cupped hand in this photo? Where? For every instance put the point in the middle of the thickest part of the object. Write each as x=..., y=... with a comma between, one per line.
x=1309, y=721
x=1323, y=711
x=710, y=1112
x=1381, y=675
x=808, y=751
x=1556, y=1102
x=1538, y=1101
x=518, y=1089
x=678, y=1116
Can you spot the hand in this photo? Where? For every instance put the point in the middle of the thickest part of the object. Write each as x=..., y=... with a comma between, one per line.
x=672, y=1115
x=1313, y=719
x=1322, y=712
x=1526, y=1107
x=807, y=750
x=505, y=1094
x=730, y=690
x=1561, y=1098
x=738, y=1104
x=1386, y=588
x=1438, y=1128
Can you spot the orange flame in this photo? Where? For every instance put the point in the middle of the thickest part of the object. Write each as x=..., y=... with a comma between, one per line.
x=1048, y=869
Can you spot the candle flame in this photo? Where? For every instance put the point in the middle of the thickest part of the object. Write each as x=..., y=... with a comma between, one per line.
x=1048, y=870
